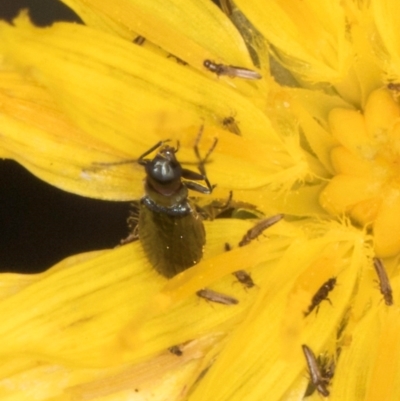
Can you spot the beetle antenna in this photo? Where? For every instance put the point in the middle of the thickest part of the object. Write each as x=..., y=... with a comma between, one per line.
x=131, y=161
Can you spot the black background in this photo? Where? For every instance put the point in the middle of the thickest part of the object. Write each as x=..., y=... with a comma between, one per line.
x=39, y=224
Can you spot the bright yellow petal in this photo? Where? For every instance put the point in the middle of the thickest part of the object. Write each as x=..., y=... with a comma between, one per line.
x=309, y=37
x=345, y=162
x=40, y=137
x=166, y=375
x=135, y=85
x=348, y=126
x=384, y=36
x=191, y=30
x=386, y=224
x=374, y=347
x=344, y=192
x=263, y=355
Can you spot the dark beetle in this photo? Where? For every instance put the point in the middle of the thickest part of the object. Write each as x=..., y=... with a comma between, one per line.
x=259, y=228
x=384, y=284
x=321, y=295
x=170, y=229
x=317, y=378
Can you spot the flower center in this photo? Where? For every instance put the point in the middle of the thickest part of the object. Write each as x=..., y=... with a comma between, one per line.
x=366, y=186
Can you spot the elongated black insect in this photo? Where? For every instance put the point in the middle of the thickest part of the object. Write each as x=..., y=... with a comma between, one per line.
x=231, y=125
x=231, y=71
x=384, y=284
x=321, y=295
x=217, y=297
x=327, y=368
x=318, y=380
x=259, y=228
x=170, y=230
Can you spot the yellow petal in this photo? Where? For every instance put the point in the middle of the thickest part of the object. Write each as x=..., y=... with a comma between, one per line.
x=374, y=347
x=191, y=30
x=381, y=111
x=348, y=126
x=40, y=137
x=113, y=75
x=344, y=192
x=310, y=38
x=383, y=26
x=165, y=375
x=256, y=360
x=346, y=162
x=387, y=223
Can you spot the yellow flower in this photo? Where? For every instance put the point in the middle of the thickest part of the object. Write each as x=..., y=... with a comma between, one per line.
x=366, y=162
x=323, y=151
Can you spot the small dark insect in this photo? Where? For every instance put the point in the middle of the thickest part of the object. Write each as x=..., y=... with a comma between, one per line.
x=231, y=71
x=241, y=275
x=327, y=369
x=139, y=40
x=317, y=379
x=216, y=297
x=176, y=350
x=170, y=230
x=259, y=228
x=386, y=289
x=321, y=295
x=231, y=125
